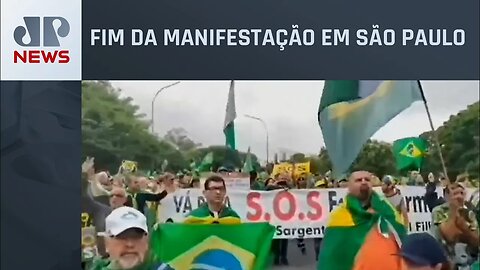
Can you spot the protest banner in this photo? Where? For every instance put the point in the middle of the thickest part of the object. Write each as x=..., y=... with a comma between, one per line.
x=233, y=181
x=296, y=213
x=297, y=168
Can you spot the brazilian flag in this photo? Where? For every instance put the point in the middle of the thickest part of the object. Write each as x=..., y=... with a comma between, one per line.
x=410, y=153
x=353, y=232
x=244, y=246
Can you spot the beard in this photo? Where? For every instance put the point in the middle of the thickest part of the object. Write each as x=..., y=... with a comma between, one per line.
x=365, y=193
x=130, y=260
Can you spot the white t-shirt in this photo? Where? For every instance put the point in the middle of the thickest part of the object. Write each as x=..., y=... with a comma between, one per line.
x=396, y=200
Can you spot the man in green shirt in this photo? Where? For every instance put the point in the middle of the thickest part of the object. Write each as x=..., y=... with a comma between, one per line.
x=214, y=210
x=455, y=226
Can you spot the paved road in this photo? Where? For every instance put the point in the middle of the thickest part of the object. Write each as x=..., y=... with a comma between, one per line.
x=297, y=260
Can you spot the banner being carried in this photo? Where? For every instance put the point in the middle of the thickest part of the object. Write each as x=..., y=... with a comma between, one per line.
x=233, y=181
x=297, y=213
x=296, y=169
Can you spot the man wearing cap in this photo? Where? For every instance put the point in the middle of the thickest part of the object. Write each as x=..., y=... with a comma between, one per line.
x=420, y=251
x=394, y=197
x=342, y=183
x=127, y=243
x=321, y=183
x=456, y=227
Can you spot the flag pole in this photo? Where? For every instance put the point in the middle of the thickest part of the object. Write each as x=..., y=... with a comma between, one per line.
x=435, y=137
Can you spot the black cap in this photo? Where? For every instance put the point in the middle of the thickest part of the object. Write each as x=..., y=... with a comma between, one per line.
x=421, y=249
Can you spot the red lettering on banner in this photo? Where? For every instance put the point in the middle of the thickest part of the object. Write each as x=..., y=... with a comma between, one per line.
x=313, y=200
x=252, y=203
x=291, y=203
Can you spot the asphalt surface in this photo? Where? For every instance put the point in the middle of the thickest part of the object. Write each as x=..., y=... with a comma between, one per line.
x=297, y=260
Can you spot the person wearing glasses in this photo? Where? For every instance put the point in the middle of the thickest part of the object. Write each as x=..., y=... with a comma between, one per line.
x=214, y=211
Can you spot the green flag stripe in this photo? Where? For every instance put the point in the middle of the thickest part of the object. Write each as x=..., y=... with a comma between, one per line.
x=338, y=91
x=229, y=132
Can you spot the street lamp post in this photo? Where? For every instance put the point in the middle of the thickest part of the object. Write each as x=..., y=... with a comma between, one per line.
x=266, y=130
x=153, y=102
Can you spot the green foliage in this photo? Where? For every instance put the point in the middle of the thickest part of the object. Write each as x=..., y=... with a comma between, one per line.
x=223, y=156
x=459, y=142
x=298, y=158
x=376, y=157
x=179, y=137
x=113, y=130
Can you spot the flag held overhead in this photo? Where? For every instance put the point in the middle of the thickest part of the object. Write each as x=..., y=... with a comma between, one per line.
x=350, y=112
x=410, y=153
x=230, y=115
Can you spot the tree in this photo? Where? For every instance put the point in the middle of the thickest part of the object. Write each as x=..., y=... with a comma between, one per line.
x=375, y=157
x=179, y=137
x=459, y=143
x=224, y=156
x=114, y=130
x=324, y=164
x=298, y=158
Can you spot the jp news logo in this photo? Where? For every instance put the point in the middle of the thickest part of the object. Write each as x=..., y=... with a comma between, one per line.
x=52, y=36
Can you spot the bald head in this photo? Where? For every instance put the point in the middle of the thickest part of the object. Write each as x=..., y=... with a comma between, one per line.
x=360, y=184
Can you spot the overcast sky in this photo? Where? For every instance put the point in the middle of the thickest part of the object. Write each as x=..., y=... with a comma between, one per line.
x=289, y=109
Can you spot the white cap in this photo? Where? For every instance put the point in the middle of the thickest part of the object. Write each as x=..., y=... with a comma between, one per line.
x=124, y=218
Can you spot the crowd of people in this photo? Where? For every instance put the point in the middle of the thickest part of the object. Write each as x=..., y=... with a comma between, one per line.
x=122, y=211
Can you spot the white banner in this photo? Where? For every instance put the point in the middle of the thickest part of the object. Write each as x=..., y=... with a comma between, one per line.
x=233, y=181
x=295, y=213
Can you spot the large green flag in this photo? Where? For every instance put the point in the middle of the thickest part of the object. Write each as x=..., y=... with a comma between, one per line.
x=248, y=165
x=206, y=163
x=231, y=114
x=217, y=246
x=350, y=112
x=409, y=153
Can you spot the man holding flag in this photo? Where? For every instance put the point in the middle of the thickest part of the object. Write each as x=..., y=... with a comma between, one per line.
x=363, y=232
x=214, y=210
x=213, y=237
